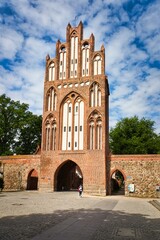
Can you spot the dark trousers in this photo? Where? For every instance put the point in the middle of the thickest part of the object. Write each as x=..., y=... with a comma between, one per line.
x=80, y=193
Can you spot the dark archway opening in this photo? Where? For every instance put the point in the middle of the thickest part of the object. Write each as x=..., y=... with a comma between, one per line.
x=117, y=183
x=32, y=181
x=69, y=177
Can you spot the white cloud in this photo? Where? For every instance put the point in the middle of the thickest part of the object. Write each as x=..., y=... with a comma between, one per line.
x=148, y=23
x=10, y=42
x=131, y=42
x=47, y=17
x=115, y=2
x=118, y=47
x=29, y=87
x=135, y=87
x=142, y=101
x=35, y=51
x=148, y=30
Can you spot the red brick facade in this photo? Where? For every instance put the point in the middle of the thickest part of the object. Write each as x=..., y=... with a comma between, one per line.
x=75, y=134
x=90, y=160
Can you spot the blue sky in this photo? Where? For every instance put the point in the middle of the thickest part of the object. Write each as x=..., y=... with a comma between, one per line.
x=129, y=30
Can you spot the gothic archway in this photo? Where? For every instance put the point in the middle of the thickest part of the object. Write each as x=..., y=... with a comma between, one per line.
x=68, y=177
x=117, y=183
x=32, y=180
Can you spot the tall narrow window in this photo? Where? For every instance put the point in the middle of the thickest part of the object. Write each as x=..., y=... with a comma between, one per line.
x=85, y=59
x=99, y=134
x=51, y=100
x=50, y=134
x=55, y=101
x=65, y=126
x=47, y=137
x=99, y=97
x=62, y=63
x=72, y=124
x=97, y=65
x=92, y=137
x=95, y=95
x=81, y=125
x=78, y=121
x=48, y=103
x=95, y=131
x=74, y=56
x=52, y=72
x=53, y=137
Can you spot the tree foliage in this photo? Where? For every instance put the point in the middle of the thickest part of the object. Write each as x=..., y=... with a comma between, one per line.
x=20, y=130
x=134, y=136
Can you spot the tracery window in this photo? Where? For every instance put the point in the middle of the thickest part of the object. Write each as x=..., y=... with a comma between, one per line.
x=62, y=63
x=51, y=103
x=52, y=72
x=95, y=131
x=50, y=133
x=73, y=123
x=95, y=95
x=85, y=59
x=97, y=65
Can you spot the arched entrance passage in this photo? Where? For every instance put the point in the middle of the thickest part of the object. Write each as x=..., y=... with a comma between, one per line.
x=117, y=183
x=32, y=180
x=68, y=177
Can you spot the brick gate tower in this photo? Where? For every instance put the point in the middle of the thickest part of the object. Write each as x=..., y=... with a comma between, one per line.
x=75, y=117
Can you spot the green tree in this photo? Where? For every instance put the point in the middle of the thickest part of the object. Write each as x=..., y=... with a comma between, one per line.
x=20, y=130
x=134, y=136
x=29, y=135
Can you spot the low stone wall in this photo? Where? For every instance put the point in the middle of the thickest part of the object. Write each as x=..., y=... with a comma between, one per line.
x=143, y=171
x=15, y=170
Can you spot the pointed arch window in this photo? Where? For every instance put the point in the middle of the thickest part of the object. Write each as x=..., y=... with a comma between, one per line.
x=99, y=133
x=52, y=72
x=62, y=63
x=73, y=123
x=50, y=134
x=85, y=59
x=53, y=136
x=97, y=65
x=95, y=95
x=91, y=135
x=74, y=55
x=47, y=137
x=51, y=101
x=95, y=132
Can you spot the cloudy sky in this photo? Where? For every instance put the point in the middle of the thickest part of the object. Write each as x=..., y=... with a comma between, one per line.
x=129, y=30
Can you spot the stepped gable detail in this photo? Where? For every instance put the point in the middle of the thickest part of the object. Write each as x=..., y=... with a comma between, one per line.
x=75, y=132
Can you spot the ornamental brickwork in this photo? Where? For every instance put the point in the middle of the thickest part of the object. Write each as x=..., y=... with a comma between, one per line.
x=75, y=146
x=75, y=115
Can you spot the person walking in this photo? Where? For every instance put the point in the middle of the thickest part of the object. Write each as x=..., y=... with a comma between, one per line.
x=80, y=190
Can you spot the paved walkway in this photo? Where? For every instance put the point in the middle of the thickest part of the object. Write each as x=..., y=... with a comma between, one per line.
x=63, y=215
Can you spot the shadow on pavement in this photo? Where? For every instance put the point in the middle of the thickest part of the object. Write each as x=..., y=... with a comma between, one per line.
x=107, y=224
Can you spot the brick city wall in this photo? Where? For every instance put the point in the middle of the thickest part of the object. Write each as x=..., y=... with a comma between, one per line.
x=16, y=169
x=141, y=170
